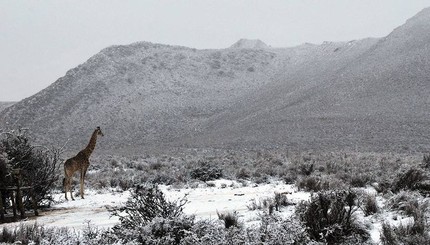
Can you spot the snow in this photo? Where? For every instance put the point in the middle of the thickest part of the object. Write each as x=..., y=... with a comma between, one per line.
x=230, y=196
x=204, y=201
x=249, y=44
x=75, y=214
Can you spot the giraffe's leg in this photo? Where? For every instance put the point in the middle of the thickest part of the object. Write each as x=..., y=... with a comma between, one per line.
x=82, y=185
x=69, y=185
x=65, y=187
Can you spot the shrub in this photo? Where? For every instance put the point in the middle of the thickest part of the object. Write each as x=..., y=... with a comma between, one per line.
x=307, y=168
x=370, y=205
x=243, y=173
x=412, y=233
x=230, y=219
x=275, y=230
x=328, y=217
x=316, y=183
x=263, y=203
x=426, y=161
x=148, y=218
x=39, y=165
x=409, y=180
x=290, y=178
x=281, y=200
x=206, y=171
x=404, y=201
x=147, y=201
x=27, y=234
x=360, y=180
x=415, y=232
x=388, y=236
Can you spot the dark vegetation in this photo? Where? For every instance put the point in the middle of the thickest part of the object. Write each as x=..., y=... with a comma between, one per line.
x=310, y=171
x=38, y=166
x=329, y=217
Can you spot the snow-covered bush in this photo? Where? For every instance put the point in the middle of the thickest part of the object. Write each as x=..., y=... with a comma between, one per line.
x=270, y=204
x=275, y=230
x=39, y=165
x=410, y=180
x=415, y=232
x=407, y=202
x=426, y=161
x=312, y=183
x=329, y=217
x=30, y=234
x=307, y=168
x=38, y=234
x=149, y=218
x=370, y=206
x=230, y=219
x=206, y=171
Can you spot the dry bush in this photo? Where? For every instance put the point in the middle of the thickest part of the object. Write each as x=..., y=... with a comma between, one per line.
x=312, y=183
x=307, y=168
x=409, y=203
x=271, y=204
x=370, y=206
x=426, y=161
x=410, y=180
x=275, y=230
x=230, y=219
x=243, y=174
x=319, y=183
x=413, y=233
x=206, y=171
x=29, y=234
x=329, y=217
x=360, y=180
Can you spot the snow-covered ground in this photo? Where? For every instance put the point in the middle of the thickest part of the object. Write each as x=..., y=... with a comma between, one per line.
x=229, y=196
x=204, y=201
x=75, y=214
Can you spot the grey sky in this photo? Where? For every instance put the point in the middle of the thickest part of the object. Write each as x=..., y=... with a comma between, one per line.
x=41, y=40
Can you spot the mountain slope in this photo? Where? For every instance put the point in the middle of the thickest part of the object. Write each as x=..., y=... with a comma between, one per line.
x=368, y=94
x=141, y=94
x=377, y=100
x=4, y=105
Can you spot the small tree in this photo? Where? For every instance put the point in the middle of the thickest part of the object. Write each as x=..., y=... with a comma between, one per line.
x=38, y=164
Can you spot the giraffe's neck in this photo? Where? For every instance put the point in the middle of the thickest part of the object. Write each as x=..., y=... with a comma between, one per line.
x=91, y=145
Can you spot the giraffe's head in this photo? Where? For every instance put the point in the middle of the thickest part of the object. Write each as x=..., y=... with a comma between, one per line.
x=99, y=131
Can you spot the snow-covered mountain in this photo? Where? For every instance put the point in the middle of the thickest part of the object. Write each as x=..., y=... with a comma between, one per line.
x=250, y=44
x=369, y=94
x=4, y=105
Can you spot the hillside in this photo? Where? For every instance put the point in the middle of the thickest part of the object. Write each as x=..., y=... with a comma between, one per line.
x=369, y=94
x=4, y=105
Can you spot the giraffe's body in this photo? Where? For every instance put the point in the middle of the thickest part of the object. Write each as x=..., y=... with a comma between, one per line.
x=80, y=163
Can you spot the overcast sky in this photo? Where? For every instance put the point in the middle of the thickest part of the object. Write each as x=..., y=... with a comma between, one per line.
x=41, y=40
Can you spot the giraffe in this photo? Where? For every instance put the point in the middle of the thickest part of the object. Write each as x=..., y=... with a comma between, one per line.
x=80, y=162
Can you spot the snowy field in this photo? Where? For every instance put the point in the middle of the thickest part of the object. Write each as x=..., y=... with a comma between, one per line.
x=204, y=201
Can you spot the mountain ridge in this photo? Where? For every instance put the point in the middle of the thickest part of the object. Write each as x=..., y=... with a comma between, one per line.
x=367, y=94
